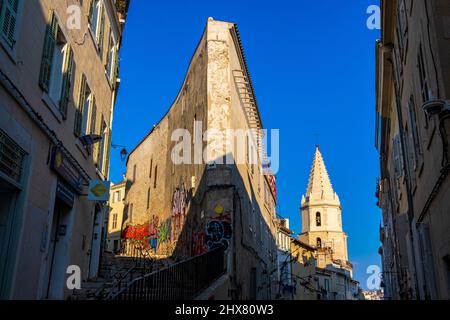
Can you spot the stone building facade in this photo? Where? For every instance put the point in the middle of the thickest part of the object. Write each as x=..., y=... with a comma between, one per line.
x=189, y=208
x=412, y=136
x=58, y=83
x=114, y=218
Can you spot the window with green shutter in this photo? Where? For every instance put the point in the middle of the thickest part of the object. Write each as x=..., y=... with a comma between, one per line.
x=9, y=10
x=67, y=81
x=48, y=52
x=81, y=103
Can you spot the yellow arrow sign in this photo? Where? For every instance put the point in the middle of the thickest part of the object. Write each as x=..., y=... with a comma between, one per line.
x=98, y=190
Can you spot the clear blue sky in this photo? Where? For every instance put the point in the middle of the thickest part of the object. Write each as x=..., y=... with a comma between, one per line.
x=313, y=69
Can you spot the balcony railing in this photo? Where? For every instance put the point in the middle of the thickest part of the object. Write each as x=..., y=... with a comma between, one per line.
x=182, y=281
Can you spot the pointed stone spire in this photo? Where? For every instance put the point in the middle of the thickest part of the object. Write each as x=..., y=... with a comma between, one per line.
x=319, y=185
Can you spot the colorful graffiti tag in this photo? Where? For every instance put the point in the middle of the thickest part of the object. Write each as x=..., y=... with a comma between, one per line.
x=218, y=234
x=215, y=233
x=178, y=211
x=139, y=233
x=159, y=232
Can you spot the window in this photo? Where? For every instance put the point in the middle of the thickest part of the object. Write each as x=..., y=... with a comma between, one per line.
x=156, y=176
x=148, y=198
x=398, y=157
x=97, y=22
x=319, y=243
x=423, y=76
x=402, y=26
x=414, y=133
x=8, y=20
x=318, y=219
x=111, y=59
x=130, y=213
x=56, y=66
x=85, y=115
x=114, y=221
x=151, y=168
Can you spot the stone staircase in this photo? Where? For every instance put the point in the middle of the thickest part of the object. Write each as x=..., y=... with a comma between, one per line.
x=116, y=272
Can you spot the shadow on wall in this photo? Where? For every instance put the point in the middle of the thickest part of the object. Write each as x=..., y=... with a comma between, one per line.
x=219, y=212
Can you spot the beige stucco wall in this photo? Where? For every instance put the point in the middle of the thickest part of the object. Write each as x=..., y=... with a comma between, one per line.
x=22, y=66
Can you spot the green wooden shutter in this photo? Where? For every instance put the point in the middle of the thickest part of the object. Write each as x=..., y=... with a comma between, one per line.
x=67, y=82
x=47, y=55
x=9, y=10
x=79, y=110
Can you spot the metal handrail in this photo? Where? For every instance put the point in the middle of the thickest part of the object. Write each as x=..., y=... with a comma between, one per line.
x=183, y=280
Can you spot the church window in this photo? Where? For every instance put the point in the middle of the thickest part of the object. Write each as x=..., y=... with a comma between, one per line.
x=318, y=219
x=319, y=243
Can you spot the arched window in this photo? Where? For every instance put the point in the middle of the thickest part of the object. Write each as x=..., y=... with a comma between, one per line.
x=318, y=219
x=319, y=243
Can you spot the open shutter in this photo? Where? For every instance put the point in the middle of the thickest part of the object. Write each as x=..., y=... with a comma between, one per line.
x=107, y=154
x=9, y=10
x=93, y=115
x=91, y=11
x=115, y=68
x=79, y=110
x=67, y=82
x=101, y=31
x=47, y=55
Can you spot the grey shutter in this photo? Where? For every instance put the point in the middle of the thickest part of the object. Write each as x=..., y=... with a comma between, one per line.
x=67, y=82
x=116, y=67
x=93, y=115
x=101, y=30
x=9, y=10
x=107, y=153
x=91, y=10
x=47, y=55
x=79, y=110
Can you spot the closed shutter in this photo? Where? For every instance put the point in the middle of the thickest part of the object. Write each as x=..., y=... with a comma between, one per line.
x=47, y=55
x=9, y=10
x=79, y=110
x=67, y=82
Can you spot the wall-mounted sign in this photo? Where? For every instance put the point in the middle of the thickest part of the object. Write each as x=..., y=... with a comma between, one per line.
x=64, y=193
x=66, y=170
x=98, y=190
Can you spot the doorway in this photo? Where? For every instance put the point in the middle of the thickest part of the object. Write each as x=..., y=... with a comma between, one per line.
x=96, y=241
x=58, y=251
x=8, y=199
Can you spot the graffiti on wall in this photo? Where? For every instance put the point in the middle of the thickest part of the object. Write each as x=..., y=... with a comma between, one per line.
x=214, y=232
x=138, y=233
x=178, y=211
x=159, y=233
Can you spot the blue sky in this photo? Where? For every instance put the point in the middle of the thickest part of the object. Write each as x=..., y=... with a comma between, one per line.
x=313, y=70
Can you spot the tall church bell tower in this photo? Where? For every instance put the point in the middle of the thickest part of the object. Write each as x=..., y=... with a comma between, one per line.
x=322, y=213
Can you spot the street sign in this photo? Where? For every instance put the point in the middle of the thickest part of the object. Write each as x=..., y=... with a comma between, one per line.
x=98, y=190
